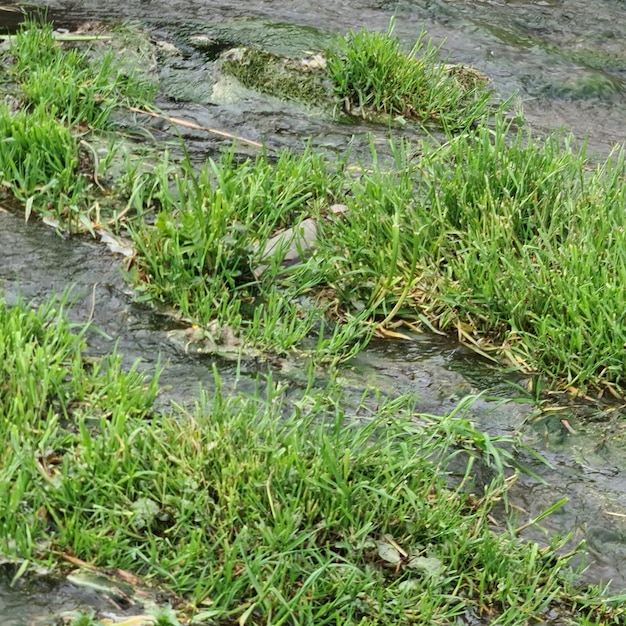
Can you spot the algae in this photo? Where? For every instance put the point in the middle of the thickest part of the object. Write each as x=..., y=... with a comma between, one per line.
x=303, y=80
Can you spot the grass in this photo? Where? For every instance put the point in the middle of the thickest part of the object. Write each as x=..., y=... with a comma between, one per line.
x=279, y=508
x=257, y=508
x=371, y=73
x=212, y=234
x=445, y=235
x=498, y=235
x=562, y=220
x=39, y=162
x=511, y=241
x=62, y=96
x=70, y=84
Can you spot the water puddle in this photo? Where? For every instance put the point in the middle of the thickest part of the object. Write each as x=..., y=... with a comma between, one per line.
x=568, y=63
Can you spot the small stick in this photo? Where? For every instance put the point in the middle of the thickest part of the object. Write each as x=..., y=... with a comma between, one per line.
x=64, y=37
x=93, y=303
x=186, y=124
x=568, y=427
x=75, y=560
x=394, y=544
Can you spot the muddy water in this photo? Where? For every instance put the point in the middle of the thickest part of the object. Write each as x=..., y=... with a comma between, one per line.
x=567, y=62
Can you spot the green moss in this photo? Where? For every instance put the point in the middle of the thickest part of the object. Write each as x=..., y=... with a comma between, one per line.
x=290, y=79
x=585, y=85
x=597, y=59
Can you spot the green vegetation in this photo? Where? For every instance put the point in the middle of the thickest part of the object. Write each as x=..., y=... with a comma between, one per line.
x=61, y=96
x=449, y=235
x=499, y=235
x=261, y=508
x=371, y=73
x=70, y=84
x=205, y=251
x=495, y=235
x=280, y=507
x=289, y=79
x=39, y=162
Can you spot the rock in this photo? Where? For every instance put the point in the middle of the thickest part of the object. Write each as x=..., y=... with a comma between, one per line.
x=294, y=244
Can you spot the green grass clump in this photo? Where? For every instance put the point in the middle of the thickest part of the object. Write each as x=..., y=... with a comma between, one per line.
x=68, y=83
x=541, y=235
x=45, y=378
x=495, y=234
x=506, y=239
x=370, y=72
x=370, y=75
x=46, y=382
x=39, y=162
x=212, y=233
x=257, y=508
x=44, y=162
x=500, y=235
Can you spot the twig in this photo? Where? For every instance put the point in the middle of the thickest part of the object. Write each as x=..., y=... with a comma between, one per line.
x=186, y=124
x=65, y=37
x=75, y=560
x=120, y=215
x=93, y=303
x=568, y=427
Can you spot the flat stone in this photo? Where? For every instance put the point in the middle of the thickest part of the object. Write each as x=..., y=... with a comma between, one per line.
x=295, y=244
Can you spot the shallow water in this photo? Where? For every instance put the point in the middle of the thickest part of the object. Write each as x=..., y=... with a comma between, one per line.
x=47, y=596
x=567, y=62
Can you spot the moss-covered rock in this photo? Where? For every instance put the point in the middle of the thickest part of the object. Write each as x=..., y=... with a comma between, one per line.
x=303, y=80
x=306, y=80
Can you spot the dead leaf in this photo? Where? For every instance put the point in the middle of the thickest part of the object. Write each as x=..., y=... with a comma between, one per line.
x=429, y=566
x=388, y=553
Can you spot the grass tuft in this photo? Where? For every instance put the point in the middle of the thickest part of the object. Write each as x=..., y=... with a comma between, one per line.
x=501, y=237
x=68, y=83
x=372, y=74
x=205, y=251
x=63, y=94
x=277, y=508
x=39, y=162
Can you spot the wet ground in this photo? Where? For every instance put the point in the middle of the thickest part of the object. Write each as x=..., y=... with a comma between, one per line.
x=567, y=62
x=47, y=596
